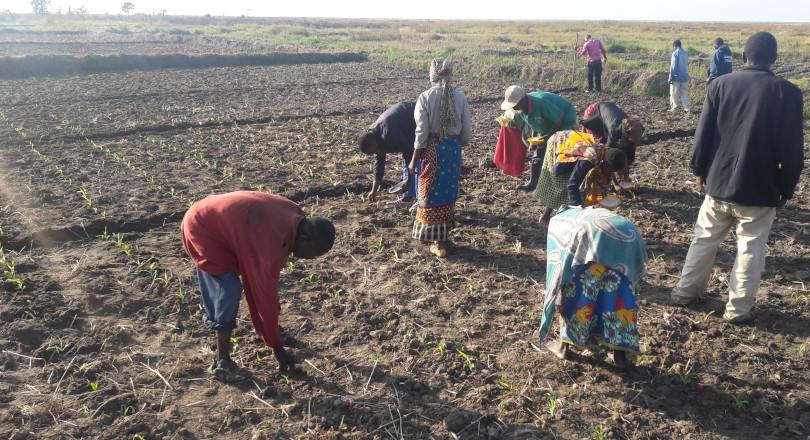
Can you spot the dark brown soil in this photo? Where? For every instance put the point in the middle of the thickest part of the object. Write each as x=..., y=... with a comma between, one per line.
x=106, y=340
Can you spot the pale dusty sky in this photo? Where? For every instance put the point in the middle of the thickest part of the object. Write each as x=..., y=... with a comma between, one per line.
x=691, y=10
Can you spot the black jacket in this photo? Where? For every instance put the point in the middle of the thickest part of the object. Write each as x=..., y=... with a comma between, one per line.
x=721, y=62
x=606, y=122
x=396, y=129
x=749, y=146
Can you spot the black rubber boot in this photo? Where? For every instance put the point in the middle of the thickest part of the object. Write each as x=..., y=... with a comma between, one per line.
x=531, y=184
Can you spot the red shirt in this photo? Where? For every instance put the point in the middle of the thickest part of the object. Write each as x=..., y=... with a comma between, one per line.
x=249, y=233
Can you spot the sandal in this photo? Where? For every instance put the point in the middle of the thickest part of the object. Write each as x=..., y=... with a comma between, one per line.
x=438, y=250
x=226, y=371
x=558, y=349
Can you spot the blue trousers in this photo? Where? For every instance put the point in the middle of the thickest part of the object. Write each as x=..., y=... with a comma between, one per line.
x=220, y=296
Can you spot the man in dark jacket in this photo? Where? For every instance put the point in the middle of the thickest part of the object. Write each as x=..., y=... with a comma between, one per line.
x=748, y=155
x=393, y=132
x=721, y=60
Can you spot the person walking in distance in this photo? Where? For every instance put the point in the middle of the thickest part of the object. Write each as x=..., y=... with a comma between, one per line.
x=748, y=156
x=595, y=52
x=679, y=79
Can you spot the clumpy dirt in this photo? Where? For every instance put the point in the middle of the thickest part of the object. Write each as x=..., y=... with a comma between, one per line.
x=105, y=339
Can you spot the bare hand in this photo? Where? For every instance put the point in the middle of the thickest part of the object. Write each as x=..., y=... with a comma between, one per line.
x=699, y=183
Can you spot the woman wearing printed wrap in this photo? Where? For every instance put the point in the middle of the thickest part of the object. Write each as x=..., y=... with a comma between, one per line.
x=595, y=261
x=442, y=128
x=579, y=171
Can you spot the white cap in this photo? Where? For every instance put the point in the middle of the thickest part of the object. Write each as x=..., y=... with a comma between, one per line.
x=512, y=97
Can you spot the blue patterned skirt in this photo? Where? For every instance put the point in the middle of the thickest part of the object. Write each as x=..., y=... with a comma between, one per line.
x=599, y=308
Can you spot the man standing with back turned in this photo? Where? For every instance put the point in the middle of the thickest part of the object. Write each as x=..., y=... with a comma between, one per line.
x=748, y=154
x=594, y=50
x=679, y=79
x=722, y=60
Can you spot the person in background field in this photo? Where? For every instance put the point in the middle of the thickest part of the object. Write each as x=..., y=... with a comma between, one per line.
x=546, y=113
x=748, y=156
x=442, y=129
x=595, y=262
x=722, y=60
x=594, y=51
x=393, y=132
x=249, y=234
x=679, y=79
x=611, y=126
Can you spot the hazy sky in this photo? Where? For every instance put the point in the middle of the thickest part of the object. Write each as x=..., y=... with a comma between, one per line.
x=696, y=10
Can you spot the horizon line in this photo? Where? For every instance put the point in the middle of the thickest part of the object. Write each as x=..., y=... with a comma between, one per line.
x=486, y=20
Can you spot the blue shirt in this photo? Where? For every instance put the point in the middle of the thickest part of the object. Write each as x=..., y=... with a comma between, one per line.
x=679, y=66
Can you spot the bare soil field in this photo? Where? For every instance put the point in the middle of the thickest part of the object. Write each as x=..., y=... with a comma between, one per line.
x=100, y=329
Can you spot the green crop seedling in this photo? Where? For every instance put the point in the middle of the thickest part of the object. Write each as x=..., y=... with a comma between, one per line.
x=468, y=361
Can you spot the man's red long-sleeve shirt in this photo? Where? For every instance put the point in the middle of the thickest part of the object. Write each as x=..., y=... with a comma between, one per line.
x=249, y=233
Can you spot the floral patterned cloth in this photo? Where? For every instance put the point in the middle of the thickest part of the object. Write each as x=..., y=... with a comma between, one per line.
x=440, y=170
x=577, y=238
x=563, y=147
x=599, y=308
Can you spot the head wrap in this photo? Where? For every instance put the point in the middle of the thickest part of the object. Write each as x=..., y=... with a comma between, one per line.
x=441, y=72
x=761, y=48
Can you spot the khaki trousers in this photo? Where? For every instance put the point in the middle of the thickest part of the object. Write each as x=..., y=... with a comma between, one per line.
x=752, y=225
x=679, y=96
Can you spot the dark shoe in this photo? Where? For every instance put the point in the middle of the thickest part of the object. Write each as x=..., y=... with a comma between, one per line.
x=620, y=360
x=226, y=371
x=679, y=300
x=531, y=184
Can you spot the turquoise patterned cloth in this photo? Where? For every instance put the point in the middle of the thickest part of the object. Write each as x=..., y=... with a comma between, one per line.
x=578, y=236
x=599, y=308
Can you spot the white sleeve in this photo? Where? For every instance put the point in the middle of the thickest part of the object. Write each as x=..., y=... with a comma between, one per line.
x=466, y=122
x=420, y=115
